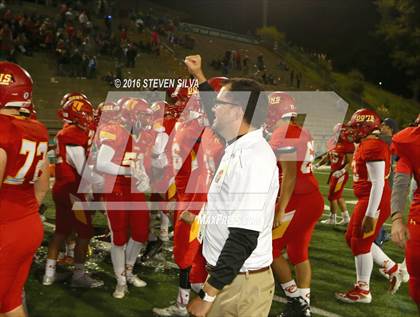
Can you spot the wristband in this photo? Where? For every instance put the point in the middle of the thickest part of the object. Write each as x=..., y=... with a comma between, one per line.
x=206, y=297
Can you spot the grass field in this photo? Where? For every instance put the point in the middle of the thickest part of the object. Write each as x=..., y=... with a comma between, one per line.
x=333, y=270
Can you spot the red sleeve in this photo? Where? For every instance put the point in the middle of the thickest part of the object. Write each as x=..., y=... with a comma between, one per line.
x=374, y=150
x=110, y=136
x=348, y=148
x=403, y=166
x=74, y=136
x=5, y=133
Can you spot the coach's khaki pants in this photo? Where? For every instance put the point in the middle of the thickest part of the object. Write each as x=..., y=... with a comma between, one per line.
x=247, y=296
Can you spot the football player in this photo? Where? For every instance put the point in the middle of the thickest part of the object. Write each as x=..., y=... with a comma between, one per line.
x=299, y=204
x=116, y=159
x=73, y=144
x=371, y=168
x=407, y=146
x=340, y=155
x=24, y=183
x=186, y=170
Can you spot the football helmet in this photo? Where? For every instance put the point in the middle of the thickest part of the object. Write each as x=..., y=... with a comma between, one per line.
x=136, y=112
x=217, y=83
x=107, y=111
x=79, y=112
x=280, y=106
x=15, y=86
x=72, y=96
x=159, y=108
x=362, y=123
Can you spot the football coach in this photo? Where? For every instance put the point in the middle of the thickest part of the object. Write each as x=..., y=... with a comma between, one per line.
x=238, y=217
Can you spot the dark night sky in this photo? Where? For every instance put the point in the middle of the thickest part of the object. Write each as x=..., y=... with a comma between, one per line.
x=341, y=28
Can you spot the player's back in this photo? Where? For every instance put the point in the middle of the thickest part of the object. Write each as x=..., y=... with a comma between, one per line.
x=293, y=136
x=407, y=144
x=26, y=144
x=70, y=135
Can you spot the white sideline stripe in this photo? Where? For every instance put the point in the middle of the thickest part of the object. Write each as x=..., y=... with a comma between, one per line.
x=314, y=310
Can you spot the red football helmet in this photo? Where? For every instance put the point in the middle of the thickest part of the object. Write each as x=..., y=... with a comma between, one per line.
x=217, y=83
x=280, y=106
x=364, y=122
x=15, y=86
x=72, y=96
x=137, y=113
x=79, y=112
x=106, y=112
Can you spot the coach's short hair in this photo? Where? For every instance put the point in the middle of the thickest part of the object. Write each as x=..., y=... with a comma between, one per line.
x=251, y=102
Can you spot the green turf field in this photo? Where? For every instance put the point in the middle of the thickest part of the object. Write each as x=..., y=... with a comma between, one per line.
x=333, y=270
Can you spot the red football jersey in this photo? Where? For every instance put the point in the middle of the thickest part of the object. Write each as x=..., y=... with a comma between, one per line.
x=337, y=152
x=369, y=150
x=406, y=144
x=209, y=154
x=301, y=141
x=184, y=155
x=70, y=135
x=26, y=144
x=120, y=140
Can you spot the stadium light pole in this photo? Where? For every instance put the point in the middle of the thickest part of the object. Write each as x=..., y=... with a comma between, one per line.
x=265, y=13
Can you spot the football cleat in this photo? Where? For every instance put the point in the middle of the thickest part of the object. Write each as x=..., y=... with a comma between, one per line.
x=86, y=281
x=57, y=277
x=296, y=307
x=152, y=248
x=172, y=310
x=355, y=295
x=329, y=221
x=344, y=221
x=136, y=281
x=120, y=291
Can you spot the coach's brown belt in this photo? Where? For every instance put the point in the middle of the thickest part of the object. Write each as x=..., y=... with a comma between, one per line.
x=256, y=271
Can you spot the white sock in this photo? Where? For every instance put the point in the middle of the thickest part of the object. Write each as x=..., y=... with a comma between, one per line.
x=70, y=249
x=50, y=267
x=183, y=297
x=132, y=251
x=381, y=258
x=306, y=294
x=196, y=287
x=290, y=289
x=118, y=262
x=364, y=266
x=79, y=270
x=345, y=214
x=164, y=220
x=334, y=217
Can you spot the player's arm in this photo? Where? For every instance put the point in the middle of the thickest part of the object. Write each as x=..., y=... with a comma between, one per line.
x=160, y=159
x=104, y=163
x=287, y=158
x=76, y=156
x=400, y=191
x=3, y=163
x=349, y=160
x=324, y=159
x=376, y=175
x=42, y=184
